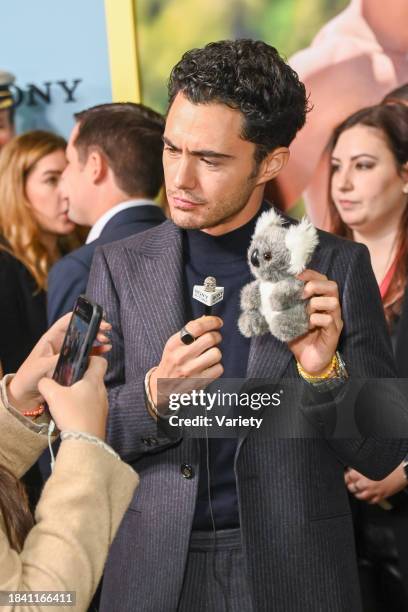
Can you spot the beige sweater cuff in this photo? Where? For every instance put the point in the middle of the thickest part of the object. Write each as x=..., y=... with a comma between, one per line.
x=21, y=440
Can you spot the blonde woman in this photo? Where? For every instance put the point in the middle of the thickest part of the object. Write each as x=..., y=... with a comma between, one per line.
x=33, y=230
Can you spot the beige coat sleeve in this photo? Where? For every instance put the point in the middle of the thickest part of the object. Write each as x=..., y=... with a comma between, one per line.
x=21, y=440
x=77, y=517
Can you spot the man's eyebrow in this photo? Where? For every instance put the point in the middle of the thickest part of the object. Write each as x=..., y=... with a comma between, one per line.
x=200, y=153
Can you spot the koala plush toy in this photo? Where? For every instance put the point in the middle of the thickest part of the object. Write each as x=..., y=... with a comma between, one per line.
x=272, y=303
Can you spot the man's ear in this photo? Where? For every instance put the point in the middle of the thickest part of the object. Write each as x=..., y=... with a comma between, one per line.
x=97, y=166
x=272, y=164
x=404, y=174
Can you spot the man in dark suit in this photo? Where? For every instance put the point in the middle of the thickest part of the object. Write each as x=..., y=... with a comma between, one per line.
x=114, y=173
x=260, y=521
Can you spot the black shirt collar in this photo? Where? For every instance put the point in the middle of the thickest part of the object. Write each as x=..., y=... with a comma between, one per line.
x=230, y=246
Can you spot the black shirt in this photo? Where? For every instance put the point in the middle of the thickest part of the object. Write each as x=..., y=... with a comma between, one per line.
x=22, y=312
x=224, y=257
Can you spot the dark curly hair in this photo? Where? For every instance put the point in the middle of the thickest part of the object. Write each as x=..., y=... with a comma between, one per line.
x=249, y=76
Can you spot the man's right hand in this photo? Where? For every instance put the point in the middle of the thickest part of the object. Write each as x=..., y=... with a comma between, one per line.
x=201, y=359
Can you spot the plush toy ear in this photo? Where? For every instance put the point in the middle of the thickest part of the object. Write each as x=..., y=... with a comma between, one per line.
x=269, y=217
x=301, y=240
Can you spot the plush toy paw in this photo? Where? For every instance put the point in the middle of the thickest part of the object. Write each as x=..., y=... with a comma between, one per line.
x=250, y=297
x=289, y=324
x=252, y=323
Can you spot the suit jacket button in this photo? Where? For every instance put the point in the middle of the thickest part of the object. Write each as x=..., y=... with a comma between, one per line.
x=187, y=471
x=154, y=441
x=146, y=441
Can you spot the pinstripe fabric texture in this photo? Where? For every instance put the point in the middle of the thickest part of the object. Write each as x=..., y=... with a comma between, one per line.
x=295, y=519
x=215, y=579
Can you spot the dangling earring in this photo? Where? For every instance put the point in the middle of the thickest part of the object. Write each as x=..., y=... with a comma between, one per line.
x=405, y=188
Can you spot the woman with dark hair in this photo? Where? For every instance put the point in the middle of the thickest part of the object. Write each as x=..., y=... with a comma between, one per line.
x=83, y=502
x=368, y=203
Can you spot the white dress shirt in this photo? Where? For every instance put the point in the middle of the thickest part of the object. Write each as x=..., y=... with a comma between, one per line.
x=97, y=228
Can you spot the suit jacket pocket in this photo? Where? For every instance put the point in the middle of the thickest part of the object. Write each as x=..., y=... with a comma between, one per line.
x=328, y=517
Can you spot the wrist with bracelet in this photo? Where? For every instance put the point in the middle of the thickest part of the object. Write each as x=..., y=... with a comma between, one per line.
x=151, y=406
x=155, y=411
x=36, y=419
x=405, y=468
x=332, y=377
x=32, y=413
x=38, y=411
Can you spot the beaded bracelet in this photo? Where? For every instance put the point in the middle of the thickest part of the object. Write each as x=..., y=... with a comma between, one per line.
x=331, y=370
x=34, y=413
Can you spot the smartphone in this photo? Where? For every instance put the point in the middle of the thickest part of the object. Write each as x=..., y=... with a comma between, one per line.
x=79, y=338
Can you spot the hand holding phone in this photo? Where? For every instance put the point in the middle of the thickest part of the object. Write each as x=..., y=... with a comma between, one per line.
x=79, y=339
x=84, y=405
x=22, y=389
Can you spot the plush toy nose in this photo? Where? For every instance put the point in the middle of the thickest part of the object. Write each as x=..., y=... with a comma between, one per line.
x=255, y=258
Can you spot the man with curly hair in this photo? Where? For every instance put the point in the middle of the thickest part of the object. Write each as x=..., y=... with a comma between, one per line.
x=251, y=522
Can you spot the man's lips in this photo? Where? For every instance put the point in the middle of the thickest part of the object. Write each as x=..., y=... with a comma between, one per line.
x=185, y=204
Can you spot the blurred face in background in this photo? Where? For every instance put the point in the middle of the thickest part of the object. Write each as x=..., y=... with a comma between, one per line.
x=42, y=187
x=367, y=184
x=6, y=128
x=76, y=184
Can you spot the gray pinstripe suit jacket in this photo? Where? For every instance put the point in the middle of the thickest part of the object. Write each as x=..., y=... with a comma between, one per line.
x=295, y=517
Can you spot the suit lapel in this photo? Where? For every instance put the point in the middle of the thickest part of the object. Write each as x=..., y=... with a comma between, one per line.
x=268, y=357
x=158, y=292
